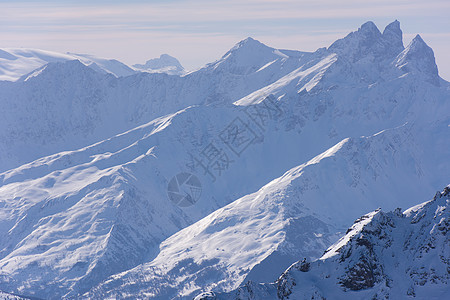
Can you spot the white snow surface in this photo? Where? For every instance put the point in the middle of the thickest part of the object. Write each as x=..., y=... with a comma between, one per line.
x=86, y=159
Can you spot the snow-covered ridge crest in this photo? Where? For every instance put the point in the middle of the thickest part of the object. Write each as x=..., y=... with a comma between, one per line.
x=250, y=56
x=305, y=79
x=383, y=255
x=418, y=57
x=351, y=233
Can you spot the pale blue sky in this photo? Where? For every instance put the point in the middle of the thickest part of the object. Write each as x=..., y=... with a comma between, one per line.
x=200, y=31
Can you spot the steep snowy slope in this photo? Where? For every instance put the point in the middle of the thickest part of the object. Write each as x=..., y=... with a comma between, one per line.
x=117, y=189
x=77, y=223
x=17, y=62
x=298, y=214
x=164, y=64
x=390, y=255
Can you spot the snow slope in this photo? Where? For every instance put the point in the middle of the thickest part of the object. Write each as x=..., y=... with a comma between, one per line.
x=383, y=255
x=74, y=218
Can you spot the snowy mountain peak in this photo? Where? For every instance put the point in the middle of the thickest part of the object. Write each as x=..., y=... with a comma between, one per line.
x=164, y=64
x=418, y=57
x=249, y=43
x=249, y=47
x=168, y=58
x=246, y=57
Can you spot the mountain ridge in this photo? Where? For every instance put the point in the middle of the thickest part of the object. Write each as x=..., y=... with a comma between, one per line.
x=145, y=129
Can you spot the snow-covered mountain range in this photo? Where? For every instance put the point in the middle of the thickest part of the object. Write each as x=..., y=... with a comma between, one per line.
x=284, y=149
x=78, y=106
x=382, y=256
x=22, y=64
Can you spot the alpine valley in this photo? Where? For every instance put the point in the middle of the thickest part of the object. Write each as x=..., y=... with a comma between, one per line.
x=240, y=180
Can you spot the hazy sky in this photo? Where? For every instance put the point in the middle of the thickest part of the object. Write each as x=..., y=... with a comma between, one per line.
x=200, y=31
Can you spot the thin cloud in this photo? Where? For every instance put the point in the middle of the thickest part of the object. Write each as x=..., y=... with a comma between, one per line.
x=216, y=10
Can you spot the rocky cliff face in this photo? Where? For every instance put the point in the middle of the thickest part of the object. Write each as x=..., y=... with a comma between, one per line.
x=383, y=255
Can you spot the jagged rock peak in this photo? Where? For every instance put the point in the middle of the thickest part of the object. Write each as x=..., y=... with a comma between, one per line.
x=418, y=43
x=418, y=57
x=165, y=63
x=369, y=28
x=393, y=34
x=393, y=27
x=369, y=41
